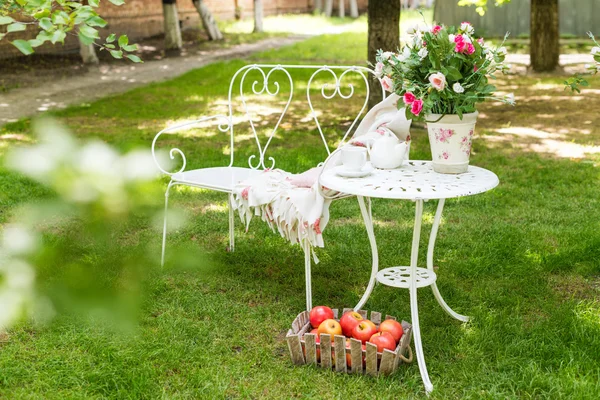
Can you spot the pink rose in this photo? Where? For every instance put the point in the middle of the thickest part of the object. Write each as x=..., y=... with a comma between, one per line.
x=378, y=68
x=436, y=29
x=460, y=44
x=409, y=98
x=387, y=83
x=438, y=81
x=480, y=41
x=417, y=107
x=470, y=49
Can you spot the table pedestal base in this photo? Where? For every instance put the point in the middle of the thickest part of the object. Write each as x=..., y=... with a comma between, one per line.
x=411, y=277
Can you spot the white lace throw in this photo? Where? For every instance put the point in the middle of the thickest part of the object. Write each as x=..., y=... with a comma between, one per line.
x=292, y=204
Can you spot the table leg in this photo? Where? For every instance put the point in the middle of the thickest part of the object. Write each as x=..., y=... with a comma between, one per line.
x=367, y=217
x=414, y=307
x=432, y=237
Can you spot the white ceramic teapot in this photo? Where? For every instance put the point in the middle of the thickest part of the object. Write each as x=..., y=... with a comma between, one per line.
x=387, y=152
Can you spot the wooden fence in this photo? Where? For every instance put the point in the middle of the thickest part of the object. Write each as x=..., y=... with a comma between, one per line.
x=576, y=17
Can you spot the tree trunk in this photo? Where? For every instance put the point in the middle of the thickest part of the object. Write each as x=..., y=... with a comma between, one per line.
x=341, y=10
x=319, y=6
x=328, y=7
x=384, y=33
x=208, y=21
x=258, y=16
x=88, y=53
x=353, y=9
x=172, y=30
x=237, y=11
x=545, y=46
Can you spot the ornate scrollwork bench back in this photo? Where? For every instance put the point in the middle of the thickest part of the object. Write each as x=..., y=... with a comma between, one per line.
x=332, y=86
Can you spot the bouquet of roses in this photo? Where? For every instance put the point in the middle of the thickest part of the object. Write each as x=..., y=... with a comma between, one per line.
x=442, y=70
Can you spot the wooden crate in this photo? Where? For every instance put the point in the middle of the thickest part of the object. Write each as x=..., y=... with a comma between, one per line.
x=303, y=348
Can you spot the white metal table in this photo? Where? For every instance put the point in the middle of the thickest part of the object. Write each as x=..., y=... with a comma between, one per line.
x=414, y=180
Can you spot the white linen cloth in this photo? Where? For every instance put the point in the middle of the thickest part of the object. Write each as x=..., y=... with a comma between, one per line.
x=302, y=213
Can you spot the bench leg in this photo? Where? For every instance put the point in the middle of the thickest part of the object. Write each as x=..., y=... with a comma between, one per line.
x=164, y=238
x=231, y=223
x=307, y=275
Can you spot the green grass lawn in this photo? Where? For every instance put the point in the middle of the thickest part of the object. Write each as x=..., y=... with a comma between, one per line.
x=522, y=260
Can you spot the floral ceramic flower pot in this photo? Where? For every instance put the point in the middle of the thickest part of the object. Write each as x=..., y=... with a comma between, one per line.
x=450, y=139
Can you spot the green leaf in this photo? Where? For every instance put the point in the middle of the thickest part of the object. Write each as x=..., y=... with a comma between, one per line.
x=116, y=53
x=117, y=2
x=134, y=58
x=86, y=40
x=16, y=27
x=88, y=31
x=111, y=38
x=58, y=36
x=130, y=48
x=60, y=18
x=110, y=46
x=454, y=74
x=93, y=3
x=5, y=20
x=36, y=42
x=96, y=21
x=123, y=40
x=46, y=24
x=23, y=46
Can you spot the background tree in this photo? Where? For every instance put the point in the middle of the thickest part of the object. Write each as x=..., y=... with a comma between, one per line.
x=353, y=9
x=56, y=19
x=328, y=7
x=319, y=6
x=544, y=47
x=384, y=33
x=258, y=16
x=87, y=51
x=173, y=39
x=545, y=35
x=208, y=21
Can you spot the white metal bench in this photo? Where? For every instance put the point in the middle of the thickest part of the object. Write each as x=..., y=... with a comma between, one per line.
x=223, y=179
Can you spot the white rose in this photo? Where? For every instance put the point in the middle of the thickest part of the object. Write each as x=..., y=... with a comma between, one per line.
x=457, y=87
x=405, y=54
x=378, y=68
x=387, y=54
x=423, y=53
x=595, y=50
x=451, y=37
x=510, y=98
x=467, y=27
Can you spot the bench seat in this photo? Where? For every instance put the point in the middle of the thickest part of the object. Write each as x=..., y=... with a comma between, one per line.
x=222, y=179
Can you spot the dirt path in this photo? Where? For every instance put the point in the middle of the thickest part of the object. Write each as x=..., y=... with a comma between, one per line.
x=111, y=79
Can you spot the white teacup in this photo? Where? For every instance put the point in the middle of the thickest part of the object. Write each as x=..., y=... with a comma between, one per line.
x=354, y=158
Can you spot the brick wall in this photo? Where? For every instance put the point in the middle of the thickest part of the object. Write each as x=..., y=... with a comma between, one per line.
x=143, y=18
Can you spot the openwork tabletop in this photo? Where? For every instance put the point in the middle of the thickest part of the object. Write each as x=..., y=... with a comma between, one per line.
x=413, y=180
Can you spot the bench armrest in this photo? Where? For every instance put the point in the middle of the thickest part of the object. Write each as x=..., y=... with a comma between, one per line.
x=224, y=125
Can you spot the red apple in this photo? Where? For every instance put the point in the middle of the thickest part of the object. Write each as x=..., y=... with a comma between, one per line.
x=331, y=327
x=393, y=327
x=319, y=314
x=348, y=321
x=383, y=340
x=364, y=330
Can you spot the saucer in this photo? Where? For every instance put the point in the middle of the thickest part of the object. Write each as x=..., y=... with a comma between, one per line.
x=342, y=171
